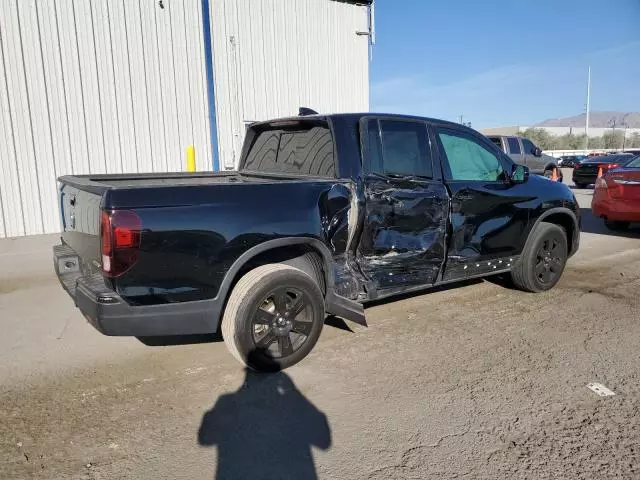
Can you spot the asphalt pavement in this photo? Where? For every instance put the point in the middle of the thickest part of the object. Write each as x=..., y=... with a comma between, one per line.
x=474, y=381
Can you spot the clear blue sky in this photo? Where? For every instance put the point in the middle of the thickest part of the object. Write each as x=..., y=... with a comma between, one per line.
x=505, y=62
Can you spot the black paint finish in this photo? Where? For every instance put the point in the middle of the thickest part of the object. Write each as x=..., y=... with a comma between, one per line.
x=375, y=235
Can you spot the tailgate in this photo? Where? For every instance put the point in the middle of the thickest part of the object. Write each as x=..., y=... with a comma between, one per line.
x=80, y=220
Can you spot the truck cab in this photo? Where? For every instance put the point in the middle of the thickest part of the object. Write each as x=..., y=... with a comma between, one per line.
x=524, y=152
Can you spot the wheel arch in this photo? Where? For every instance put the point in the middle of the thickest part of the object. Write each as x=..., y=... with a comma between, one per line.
x=563, y=217
x=277, y=250
x=289, y=247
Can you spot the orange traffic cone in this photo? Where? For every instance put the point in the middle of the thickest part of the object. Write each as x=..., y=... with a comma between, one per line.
x=599, y=172
x=554, y=175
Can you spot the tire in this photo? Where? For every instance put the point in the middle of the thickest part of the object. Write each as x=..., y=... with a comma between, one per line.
x=310, y=264
x=616, y=226
x=540, y=268
x=250, y=325
x=581, y=185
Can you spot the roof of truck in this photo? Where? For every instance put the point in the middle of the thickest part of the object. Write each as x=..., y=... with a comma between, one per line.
x=322, y=116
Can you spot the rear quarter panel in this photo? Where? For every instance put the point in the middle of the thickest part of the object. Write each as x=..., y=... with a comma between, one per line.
x=186, y=249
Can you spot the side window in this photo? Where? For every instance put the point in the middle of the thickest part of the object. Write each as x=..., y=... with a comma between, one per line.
x=514, y=145
x=374, y=147
x=497, y=141
x=468, y=159
x=527, y=146
x=405, y=148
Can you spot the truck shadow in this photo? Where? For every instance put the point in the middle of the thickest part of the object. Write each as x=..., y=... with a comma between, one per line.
x=171, y=340
x=265, y=429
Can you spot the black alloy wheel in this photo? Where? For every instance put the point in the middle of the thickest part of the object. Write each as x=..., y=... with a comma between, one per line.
x=549, y=260
x=282, y=323
x=274, y=317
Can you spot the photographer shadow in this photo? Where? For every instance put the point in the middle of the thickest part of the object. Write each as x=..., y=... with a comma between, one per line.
x=265, y=430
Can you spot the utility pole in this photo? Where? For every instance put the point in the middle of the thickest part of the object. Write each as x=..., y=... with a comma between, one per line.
x=586, y=124
x=461, y=117
x=624, y=137
x=613, y=133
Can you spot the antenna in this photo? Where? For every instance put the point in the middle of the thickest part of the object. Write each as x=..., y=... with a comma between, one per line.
x=304, y=111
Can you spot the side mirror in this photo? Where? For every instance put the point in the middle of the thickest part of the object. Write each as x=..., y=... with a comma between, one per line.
x=536, y=152
x=519, y=174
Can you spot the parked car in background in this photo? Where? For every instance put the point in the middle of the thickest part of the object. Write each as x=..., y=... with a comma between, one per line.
x=523, y=151
x=570, y=161
x=585, y=173
x=325, y=212
x=617, y=196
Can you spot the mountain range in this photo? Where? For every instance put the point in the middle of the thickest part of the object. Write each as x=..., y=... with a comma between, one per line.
x=596, y=120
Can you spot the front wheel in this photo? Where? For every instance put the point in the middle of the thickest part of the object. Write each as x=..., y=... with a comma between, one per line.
x=543, y=259
x=581, y=185
x=273, y=317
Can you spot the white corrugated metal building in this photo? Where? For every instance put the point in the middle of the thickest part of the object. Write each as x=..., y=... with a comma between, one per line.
x=111, y=86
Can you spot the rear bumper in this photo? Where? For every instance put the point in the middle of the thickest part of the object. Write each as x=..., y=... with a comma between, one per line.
x=621, y=210
x=112, y=315
x=584, y=179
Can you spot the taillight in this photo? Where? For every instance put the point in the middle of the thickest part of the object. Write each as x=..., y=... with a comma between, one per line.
x=613, y=165
x=120, y=240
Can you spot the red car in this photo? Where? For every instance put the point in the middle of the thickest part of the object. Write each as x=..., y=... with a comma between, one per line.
x=617, y=196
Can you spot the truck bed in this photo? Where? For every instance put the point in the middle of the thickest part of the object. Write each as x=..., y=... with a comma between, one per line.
x=99, y=183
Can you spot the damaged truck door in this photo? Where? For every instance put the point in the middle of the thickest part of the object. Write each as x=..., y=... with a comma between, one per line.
x=403, y=239
x=487, y=226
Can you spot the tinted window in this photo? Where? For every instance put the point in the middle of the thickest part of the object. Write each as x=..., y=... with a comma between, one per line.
x=402, y=148
x=405, y=148
x=468, y=159
x=374, y=147
x=635, y=163
x=514, y=145
x=497, y=141
x=527, y=146
x=299, y=149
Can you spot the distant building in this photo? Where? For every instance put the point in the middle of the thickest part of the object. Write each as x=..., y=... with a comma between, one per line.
x=558, y=131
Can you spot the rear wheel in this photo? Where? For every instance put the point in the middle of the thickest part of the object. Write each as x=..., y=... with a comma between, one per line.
x=543, y=259
x=273, y=317
x=580, y=185
x=616, y=226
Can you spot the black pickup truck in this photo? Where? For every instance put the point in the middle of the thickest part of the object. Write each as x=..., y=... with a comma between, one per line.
x=326, y=213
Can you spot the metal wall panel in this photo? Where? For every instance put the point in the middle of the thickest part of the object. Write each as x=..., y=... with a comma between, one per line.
x=94, y=86
x=273, y=56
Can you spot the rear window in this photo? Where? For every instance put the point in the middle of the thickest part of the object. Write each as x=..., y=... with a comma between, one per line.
x=300, y=149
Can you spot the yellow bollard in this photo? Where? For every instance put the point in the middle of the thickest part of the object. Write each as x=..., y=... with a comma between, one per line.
x=191, y=158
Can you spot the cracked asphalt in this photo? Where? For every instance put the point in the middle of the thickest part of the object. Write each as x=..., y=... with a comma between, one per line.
x=473, y=381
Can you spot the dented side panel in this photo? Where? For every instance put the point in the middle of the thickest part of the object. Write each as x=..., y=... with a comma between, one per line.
x=341, y=218
x=403, y=240
x=487, y=221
